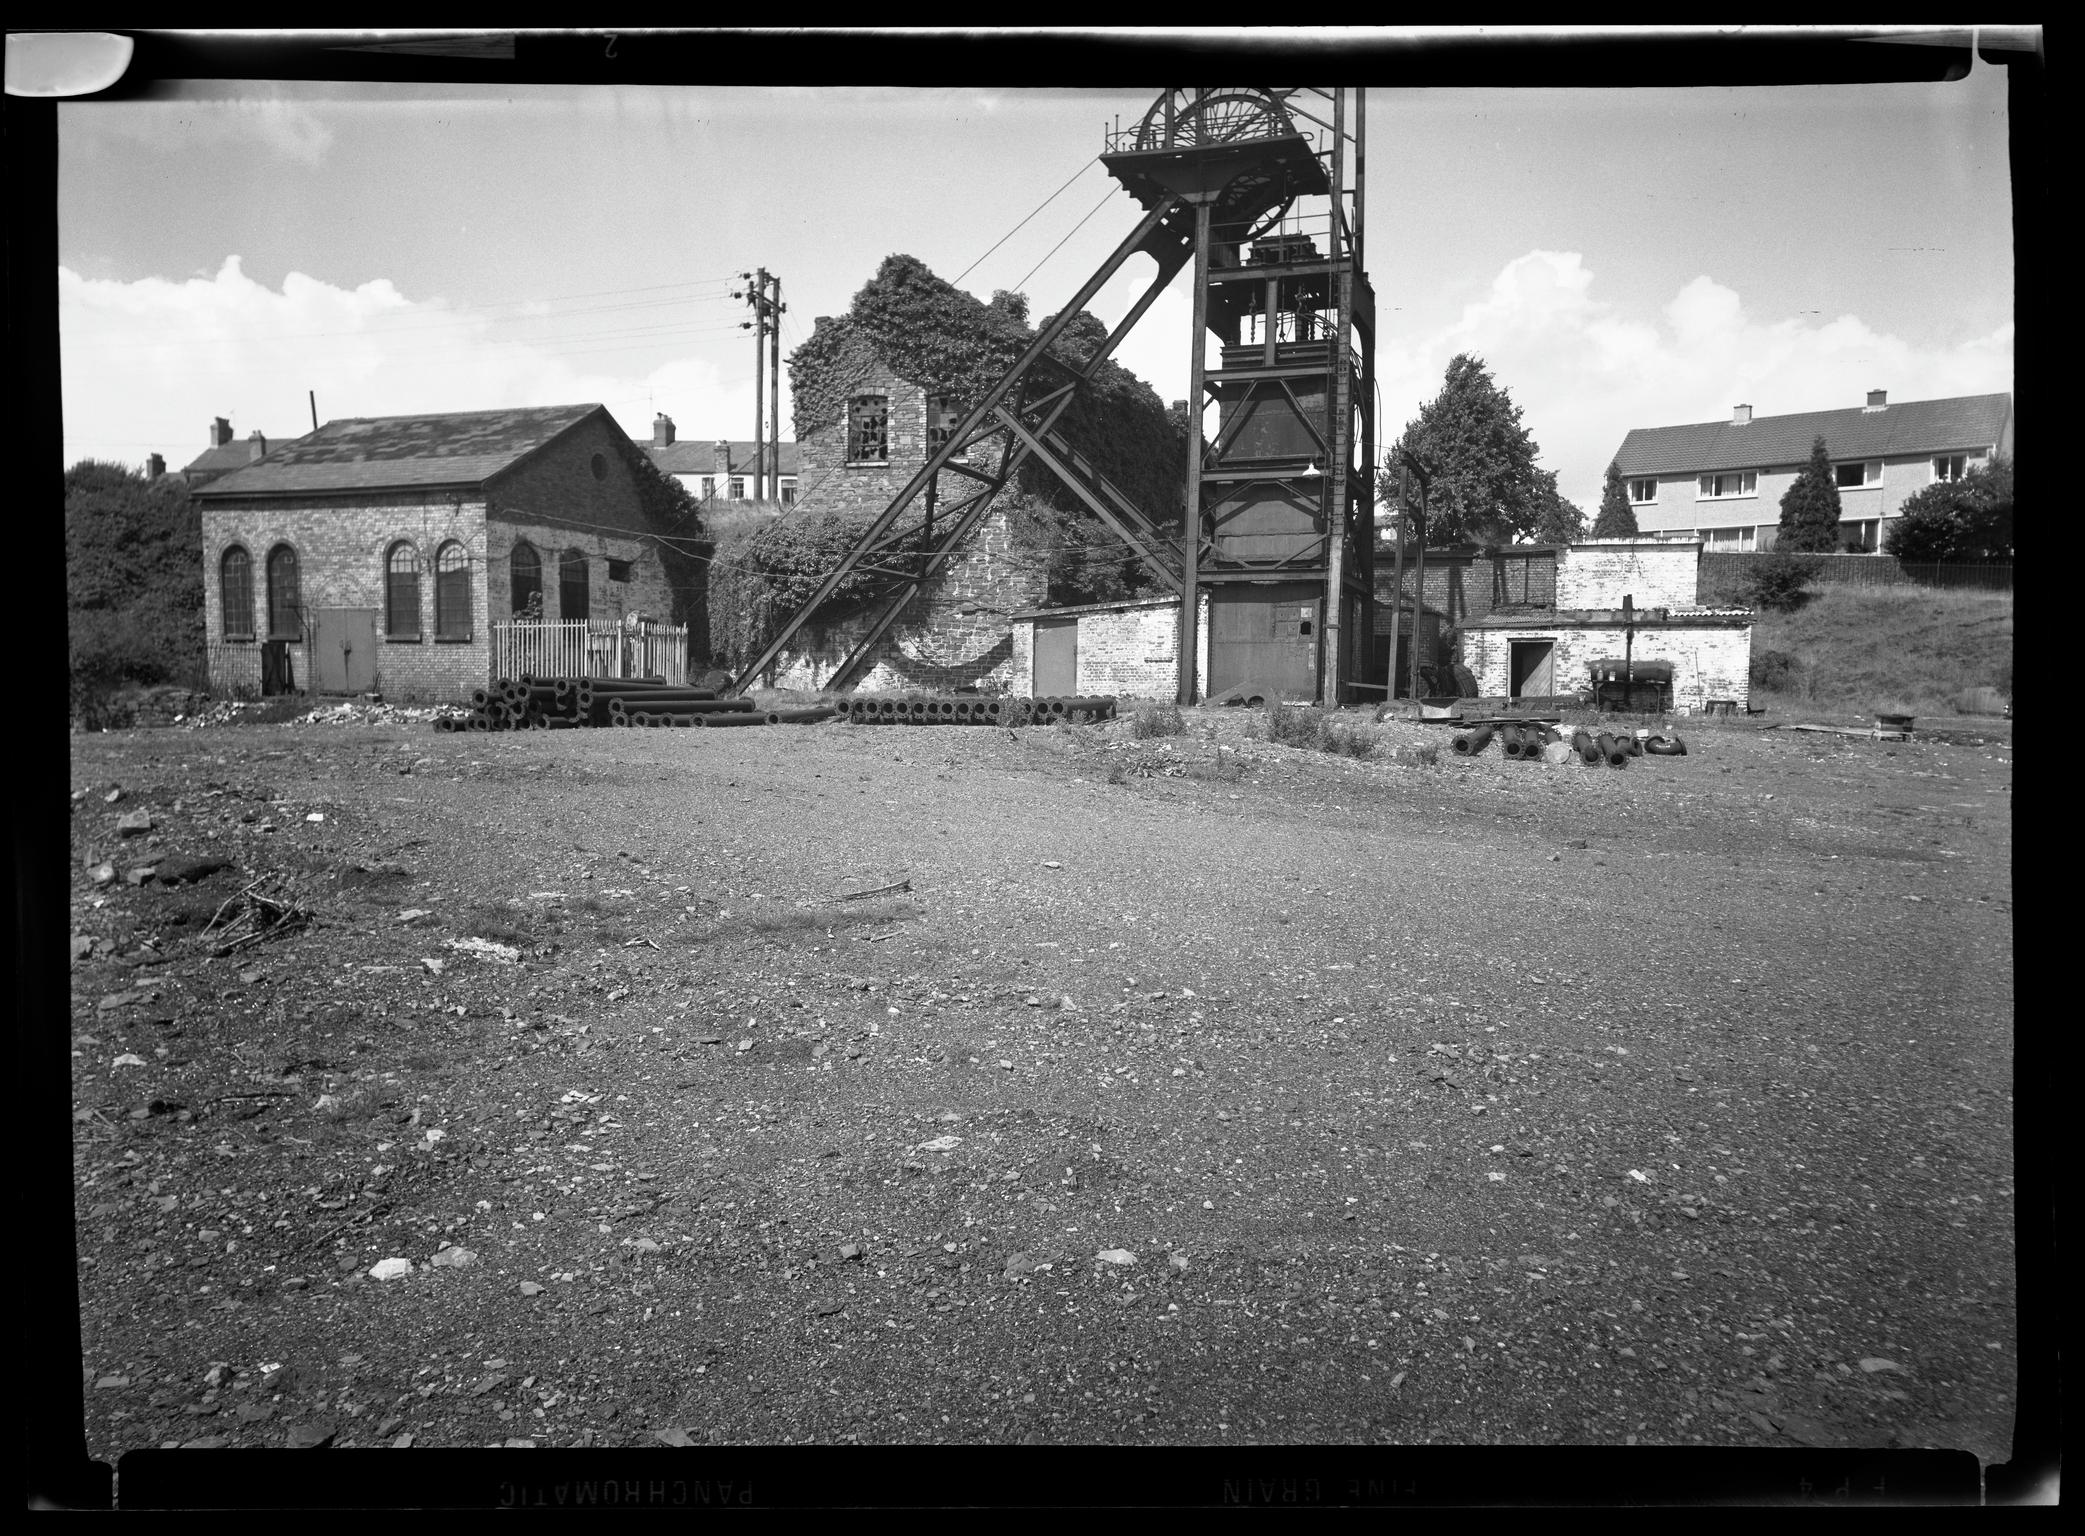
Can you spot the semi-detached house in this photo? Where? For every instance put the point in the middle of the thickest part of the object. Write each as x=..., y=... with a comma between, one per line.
x=1723, y=480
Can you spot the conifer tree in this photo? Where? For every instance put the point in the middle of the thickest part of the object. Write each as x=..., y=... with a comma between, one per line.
x=1810, y=508
x=1617, y=519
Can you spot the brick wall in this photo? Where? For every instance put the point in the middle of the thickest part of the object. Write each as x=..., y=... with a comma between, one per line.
x=1654, y=574
x=1710, y=661
x=1131, y=650
x=341, y=550
x=648, y=591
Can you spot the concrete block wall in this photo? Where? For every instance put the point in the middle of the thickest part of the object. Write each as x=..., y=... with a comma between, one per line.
x=1710, y=661
x=1654, y=573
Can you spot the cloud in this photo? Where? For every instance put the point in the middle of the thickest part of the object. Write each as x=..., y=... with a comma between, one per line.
x=147, y=364
x=1586, y=370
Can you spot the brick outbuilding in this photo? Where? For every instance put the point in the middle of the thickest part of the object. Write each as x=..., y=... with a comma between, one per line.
x=377, y=553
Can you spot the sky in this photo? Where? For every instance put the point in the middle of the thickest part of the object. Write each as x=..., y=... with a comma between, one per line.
x=1618, y=258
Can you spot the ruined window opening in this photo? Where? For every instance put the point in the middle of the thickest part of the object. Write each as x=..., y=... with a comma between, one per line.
x=943, y=417
x=285, y=611
x=402, y=592
x=573, y=587
x=235, y=583
x=526, y=579
x=618, y=570
x=868, y=429
x=452, y=593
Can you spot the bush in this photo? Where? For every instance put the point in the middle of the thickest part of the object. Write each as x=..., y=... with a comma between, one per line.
x=1779, y=581
x=1314, y=728
x=1157, y=720
x=1773, y=669
x=1970, y=519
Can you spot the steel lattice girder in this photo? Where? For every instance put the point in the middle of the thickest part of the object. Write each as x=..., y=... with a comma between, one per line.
x=991, y=414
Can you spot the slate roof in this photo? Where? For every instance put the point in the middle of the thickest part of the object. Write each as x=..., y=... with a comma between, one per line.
x=381, y=453
x=1913, y=427
x=692, y=456
x=237, y=454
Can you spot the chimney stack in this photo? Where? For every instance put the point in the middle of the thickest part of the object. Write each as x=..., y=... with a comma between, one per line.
x=720, y=459
x=257, y=446
x=220, y=433
x=662, y=431
x=1878, y=399
x=155, y=466
x=1741, y=415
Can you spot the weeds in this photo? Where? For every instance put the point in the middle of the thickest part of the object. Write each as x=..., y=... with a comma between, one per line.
x=491, y=920
x=1316, y=729
x=1156, y=720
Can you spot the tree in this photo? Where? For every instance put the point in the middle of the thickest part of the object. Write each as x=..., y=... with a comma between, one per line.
x=1560, y=521
x=1485, y=485
x=1810, y=508
x=1954, y=520
x=1617, y=519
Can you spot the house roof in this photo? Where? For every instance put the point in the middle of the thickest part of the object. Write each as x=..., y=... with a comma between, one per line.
x=1913, y=427
x=236, y=454
x=693, y=456
x=369, y=453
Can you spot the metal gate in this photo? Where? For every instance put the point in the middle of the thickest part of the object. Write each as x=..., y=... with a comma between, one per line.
x=1266, y=636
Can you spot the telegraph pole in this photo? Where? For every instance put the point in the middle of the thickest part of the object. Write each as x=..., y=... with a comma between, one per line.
x=765, y=296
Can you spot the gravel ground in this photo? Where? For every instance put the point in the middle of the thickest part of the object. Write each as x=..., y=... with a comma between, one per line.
x=1191, y=1091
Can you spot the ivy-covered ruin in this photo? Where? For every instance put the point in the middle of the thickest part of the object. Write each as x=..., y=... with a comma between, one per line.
x=948, y=342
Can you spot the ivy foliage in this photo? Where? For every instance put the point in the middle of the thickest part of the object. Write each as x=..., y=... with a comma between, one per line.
x=133, y=577
x=685, y=548
x=928, y=331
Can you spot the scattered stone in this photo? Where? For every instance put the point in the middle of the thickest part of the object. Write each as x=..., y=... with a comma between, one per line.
x=82, y=947
x=827, y=1306
x=207, y=1443
x=390, y=1269
x=413, y=914
x=487, y=949
x=1874, y=1363
x=112, y=797
x=192, y=868
x=403, y=1443
x=453, y=1258
x=102, y=873
x=1116, y=1256
x=1019, y=1264
x=134, y=822
x=678, y=1437
x=110, y=1383
x=530, y=1288
x=316, y=816
x=310, y=1437
x=127, y=1060
x=941, y=1144
x=140, y=874
x=490, y=1381
x=850, y=1250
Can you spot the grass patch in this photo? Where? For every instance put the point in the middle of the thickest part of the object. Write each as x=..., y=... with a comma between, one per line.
x=792, y=924
x=490, y=920
x=1315, y=729
x=1867, y=649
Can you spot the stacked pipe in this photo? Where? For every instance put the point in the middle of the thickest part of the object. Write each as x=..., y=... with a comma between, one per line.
x=1523, y=742
x=563, y=703
x=971, y=709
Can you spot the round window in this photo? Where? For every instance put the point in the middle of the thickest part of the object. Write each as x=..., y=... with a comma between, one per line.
x=600, y=466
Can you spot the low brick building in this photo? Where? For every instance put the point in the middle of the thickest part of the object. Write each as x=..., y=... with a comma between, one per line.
x=724, y=469
x=377, y=554
x=1130, y=649
x=1527, y=649
x=959, y=631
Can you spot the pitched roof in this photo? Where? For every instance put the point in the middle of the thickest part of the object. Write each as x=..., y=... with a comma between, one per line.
x=367, y=453
x=1915, y=426
x=693, y=456
x=236, y=454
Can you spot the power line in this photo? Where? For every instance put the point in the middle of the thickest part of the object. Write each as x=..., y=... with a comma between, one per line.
x=1053, y=250
x=1082, y=170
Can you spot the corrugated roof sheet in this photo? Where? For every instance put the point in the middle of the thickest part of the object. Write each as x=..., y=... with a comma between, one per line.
x=394, y=452
x=695, y=457
x=1915, y=426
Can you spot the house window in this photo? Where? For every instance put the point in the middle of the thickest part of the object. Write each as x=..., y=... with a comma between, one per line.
x=788, y=493
x=1644, y=491
x=452, y=593
x=942, y=420
x=526, y=578
x=1742, y=482
x=402, y=592
x=738, y=487
x=235, y=585
x=573, y=590
x=868, y=429
x=1863, y=537
x=1950, y=466
x=618, y=570
x=285, y=610
x=709, y=487
x=1851, y=477
x=1727, y=541
x=599, y=465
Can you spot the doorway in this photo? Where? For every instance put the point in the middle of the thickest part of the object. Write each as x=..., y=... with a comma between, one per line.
x=1532, y=669
x=1056, y=658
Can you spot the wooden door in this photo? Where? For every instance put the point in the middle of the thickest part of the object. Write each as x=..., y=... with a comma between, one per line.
x=1533, y=666
x=1266, y=637
x=1056, y=658
x=343, y=649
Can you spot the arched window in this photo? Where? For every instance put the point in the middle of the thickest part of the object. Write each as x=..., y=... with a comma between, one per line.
x=235, y=586
x=285, y=608
x=452, y=593
x=573, y=590
x=402, y=592
x=527, y=568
